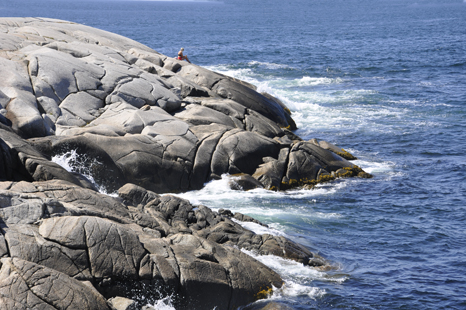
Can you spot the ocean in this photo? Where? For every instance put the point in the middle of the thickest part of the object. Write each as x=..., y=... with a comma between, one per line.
x=383, y=79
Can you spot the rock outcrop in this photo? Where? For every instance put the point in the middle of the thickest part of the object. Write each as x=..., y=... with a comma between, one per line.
x=143, y=117
x=140, y=124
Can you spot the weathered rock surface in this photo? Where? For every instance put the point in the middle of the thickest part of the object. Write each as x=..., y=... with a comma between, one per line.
x=72, y=87
x=70, y=233
x=140, y=124
x=26, y=285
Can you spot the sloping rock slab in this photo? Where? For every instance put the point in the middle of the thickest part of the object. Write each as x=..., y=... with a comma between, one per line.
x=25, y=285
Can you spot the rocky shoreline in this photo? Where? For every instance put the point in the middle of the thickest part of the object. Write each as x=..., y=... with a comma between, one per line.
x=144, y=124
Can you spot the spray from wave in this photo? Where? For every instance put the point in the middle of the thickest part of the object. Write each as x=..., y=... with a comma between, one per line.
x=74, y=162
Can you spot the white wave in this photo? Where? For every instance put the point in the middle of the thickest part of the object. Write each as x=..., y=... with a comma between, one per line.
x=322, y=103
x=237, y=73
x=292, y=289
x=259, y=229
x=297, y=277
x=269, y=65
x=313, y=81
x=65, y=160
x=269, y=83
x=269, y=206
x=327, y=215
x=74, y=162
x=162, y=304
x=374, y=167
x=318, y=107
x=218, y=194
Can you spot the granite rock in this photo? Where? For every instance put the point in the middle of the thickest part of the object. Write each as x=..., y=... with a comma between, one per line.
x=136, y=124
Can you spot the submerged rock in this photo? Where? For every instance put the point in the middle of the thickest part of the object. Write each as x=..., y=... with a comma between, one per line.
x=140, y=124
x=268, y=306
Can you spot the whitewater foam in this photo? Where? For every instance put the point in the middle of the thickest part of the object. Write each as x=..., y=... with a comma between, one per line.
x=297, y=277
x=162, y=304
x=259, y=229
x=322, y=103
x=74, y=162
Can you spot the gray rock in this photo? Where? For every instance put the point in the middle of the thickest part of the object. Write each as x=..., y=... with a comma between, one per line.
x=199, y=115
x=240, y=92
x=121, y=303
x=225, y=106
x=267, y=305
x=149, y=56
x=270, y=173
x=130, y=119
x=56, y=198
x=22, y=108
x=186, y=87
x=306, y=160
x=163, y=241
x=229, y=113
x=84, y=107
x=200, y=76
x=209, y=137
x=213, y=269
x=135, y=195
x=93, y=160
x=242, y=152
x=58, y=82
x=146, y=89
x=244, y=182
x=253, y=100
x=113, y=250
x=3, y=245
x=25, y=285
x=27, y=163
x=98, y=88
x=245, y=218
x=25, y=242
x=172, y=65
x=145, y=160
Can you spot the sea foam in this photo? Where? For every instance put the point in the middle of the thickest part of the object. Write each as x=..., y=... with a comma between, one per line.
x=74, y=162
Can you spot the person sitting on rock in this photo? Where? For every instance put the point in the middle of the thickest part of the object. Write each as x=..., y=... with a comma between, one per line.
x=181, y=56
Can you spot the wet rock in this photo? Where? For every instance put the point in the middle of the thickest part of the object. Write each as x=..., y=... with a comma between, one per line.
x=268, y=305
x=306, y=160
x=244, y=182
x=271, y=172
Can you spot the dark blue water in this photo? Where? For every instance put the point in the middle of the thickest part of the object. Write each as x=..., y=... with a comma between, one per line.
x=384, y=79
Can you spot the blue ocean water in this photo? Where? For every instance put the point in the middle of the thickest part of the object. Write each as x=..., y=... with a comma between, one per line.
x=385, y=80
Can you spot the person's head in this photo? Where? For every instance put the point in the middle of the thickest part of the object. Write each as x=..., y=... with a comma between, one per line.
x=181, y=49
